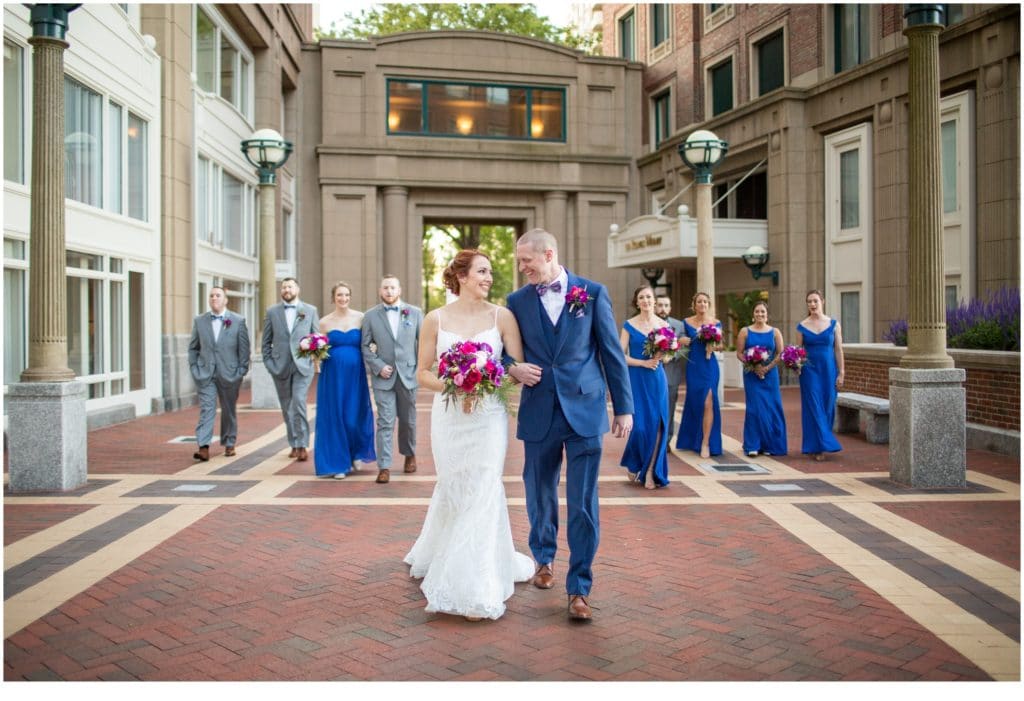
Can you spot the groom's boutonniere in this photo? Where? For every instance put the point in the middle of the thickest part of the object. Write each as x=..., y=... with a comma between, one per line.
x=301, y=316
x=577, y=299
x=405, y=316
x=227, y=322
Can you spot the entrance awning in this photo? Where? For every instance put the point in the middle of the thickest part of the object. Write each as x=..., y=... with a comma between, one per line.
x=655, y=240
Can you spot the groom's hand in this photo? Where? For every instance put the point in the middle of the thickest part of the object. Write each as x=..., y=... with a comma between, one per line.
x=527, y=373
x=385, y=372
x=622, y=425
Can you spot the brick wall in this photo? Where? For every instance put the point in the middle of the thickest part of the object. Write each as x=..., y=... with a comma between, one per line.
x=993, y=380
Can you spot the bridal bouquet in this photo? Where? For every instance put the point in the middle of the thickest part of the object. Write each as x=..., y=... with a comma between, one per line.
x=754, y=356
x=711, y=335
x=470, y=372
x=794, y=357
x=315, y=346
x=661, y=343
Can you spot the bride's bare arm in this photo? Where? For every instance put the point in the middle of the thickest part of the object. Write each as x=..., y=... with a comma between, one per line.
x=425, y=362
x=510, y=336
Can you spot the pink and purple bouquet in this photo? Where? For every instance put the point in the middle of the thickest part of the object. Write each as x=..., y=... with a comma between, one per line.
x=754, y=356
x=710, y=334
x=577, y=299
x=661, y=343
x=470, y=371
x=315, y=346
x=794, y=357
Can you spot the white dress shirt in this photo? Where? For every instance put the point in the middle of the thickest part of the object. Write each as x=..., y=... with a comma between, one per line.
x=290, y=314
x=554, y=302
x=218, y=324
x=393, y=316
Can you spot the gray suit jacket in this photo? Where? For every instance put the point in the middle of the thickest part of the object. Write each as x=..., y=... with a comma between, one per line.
x=227, y=358
x=281, y=347
x=400, y=353
x=674, y=368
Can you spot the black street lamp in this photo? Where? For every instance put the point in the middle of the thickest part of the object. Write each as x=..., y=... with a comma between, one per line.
x=755, y=258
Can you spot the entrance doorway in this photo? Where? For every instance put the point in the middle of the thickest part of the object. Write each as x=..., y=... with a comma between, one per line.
x=443, y=239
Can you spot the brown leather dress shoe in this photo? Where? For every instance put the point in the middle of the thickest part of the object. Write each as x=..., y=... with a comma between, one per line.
x=303, y=455
x=229, y=451
x=579, y=609
x=294, y=453
x=203, y=454
x=543, y=578
x=384, y=476
x=410, y=463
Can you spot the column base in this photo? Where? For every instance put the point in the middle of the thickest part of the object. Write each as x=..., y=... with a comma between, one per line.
x=928, y=428
x=264, y=393
x=48, y=439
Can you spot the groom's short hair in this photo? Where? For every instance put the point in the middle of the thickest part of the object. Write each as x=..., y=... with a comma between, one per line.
x=539, y=240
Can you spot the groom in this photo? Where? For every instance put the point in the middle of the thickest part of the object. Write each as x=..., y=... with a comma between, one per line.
x=572, y=350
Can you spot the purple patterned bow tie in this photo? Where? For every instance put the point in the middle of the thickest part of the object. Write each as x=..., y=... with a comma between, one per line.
x=555, y=286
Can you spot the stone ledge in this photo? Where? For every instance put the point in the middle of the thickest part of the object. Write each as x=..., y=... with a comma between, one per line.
x=108, y=416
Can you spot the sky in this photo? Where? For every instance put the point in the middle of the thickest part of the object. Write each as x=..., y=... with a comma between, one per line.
x=557, y=12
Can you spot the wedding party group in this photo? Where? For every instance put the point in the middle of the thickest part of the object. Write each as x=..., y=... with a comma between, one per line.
x=556, y=337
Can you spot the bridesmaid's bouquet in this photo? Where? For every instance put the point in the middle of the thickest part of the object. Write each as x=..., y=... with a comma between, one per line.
x=794, y=357
x=470, y=372
x=711, y=335
x=754, y=356
x=661, y=343
x=315, y=346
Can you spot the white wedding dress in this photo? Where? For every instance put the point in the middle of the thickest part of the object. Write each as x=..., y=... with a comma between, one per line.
x=464, y=552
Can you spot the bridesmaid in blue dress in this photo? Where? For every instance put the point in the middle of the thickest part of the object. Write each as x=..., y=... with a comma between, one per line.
x=645, y=455
x=821, y=378
x=701, y=427
x=764, y=423
x=344, y=418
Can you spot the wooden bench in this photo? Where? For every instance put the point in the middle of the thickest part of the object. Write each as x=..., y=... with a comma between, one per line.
x=850, y=406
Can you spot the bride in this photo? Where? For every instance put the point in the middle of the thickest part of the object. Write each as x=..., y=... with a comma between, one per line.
x=464, y=552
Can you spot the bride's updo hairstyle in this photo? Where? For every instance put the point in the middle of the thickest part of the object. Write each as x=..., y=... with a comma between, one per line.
x=459, y=267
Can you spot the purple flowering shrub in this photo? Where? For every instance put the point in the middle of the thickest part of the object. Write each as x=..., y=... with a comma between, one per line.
x=991, y=324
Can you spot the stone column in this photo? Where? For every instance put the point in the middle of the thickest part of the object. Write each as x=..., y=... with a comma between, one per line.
x=46, y=410
x=705, y=243
x=555, y=202
x=928, y=410
x=264, y=393
x=396, y=237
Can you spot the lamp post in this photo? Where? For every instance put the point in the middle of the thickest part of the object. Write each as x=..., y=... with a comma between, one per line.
x=755, y=258
x=702, y=151
x=267, y=151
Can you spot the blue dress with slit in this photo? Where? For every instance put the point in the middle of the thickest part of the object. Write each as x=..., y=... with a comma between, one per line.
x=648, y=441
x=702, y=375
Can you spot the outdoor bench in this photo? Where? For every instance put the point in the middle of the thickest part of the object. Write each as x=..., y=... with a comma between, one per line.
x=849, y=408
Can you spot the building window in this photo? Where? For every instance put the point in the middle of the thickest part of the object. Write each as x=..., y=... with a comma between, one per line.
x=115, y=162
x=225, y=209
x=627, y=36
x=721, y=87
x=748, y=200
x=286, y=238
x=97, y=325
x=204, y=232
x=952, y=301
x=222, y=66
x=849, y=189
x=14, y=113
x=852, y=35
x=136, y=322
x=662, y=126
x=660, y=14
x=83, y=144
x=232, y=208
x=849, y=316
x=771, y=63
x=138, y=168
x=15, y=309
x=954, y=14
x=950, y=157
x=476, y=111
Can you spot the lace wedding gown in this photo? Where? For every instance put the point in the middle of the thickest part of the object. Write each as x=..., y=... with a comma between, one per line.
x=464, y=552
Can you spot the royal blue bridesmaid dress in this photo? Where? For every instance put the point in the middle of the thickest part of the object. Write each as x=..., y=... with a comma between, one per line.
x=648, y=441
x=764, y=424
x=702, y=374
x=818, y=391
x=344, y=417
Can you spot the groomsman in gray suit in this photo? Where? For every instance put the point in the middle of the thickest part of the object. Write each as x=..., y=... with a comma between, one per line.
x=285, y=324
x=391, y=340
x=674, y=367
x=218, y=357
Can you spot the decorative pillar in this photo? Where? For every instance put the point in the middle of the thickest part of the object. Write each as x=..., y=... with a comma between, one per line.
x=705, y=242
x=268, y=250
x=928, y=410
x=396, y=237
x=54, y=459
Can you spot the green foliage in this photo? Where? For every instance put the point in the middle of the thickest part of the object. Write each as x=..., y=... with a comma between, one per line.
x=984, y=335
x=442, y=241
x=507, y=18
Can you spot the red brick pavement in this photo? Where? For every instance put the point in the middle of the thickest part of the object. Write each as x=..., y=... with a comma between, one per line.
x=990, y=528
x=22, y=520
x=321, y=593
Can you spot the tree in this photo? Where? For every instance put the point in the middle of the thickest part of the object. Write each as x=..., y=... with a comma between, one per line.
x=442, y=241
x=507, y=18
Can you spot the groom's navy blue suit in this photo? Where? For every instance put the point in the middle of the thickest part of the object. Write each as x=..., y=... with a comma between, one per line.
x=568, y=408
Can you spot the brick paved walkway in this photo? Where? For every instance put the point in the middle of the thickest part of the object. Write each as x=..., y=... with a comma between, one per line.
x=250, y=568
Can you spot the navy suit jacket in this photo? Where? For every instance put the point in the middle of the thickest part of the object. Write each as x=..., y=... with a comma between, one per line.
x=579, y=363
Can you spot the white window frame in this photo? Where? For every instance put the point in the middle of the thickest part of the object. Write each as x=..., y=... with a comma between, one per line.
x=244, y=57
x=755, y=62
x=25, y=121
x=656, y=52
x=849, y=253
x=959, y=232
x=211, y=232
x=20, y=264
x=711, y=64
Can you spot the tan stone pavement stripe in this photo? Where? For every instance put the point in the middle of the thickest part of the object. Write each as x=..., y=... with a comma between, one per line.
x=36, y=601
x=36, y=543
x=995, y=653
x=995, y=574
x=218, y=461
